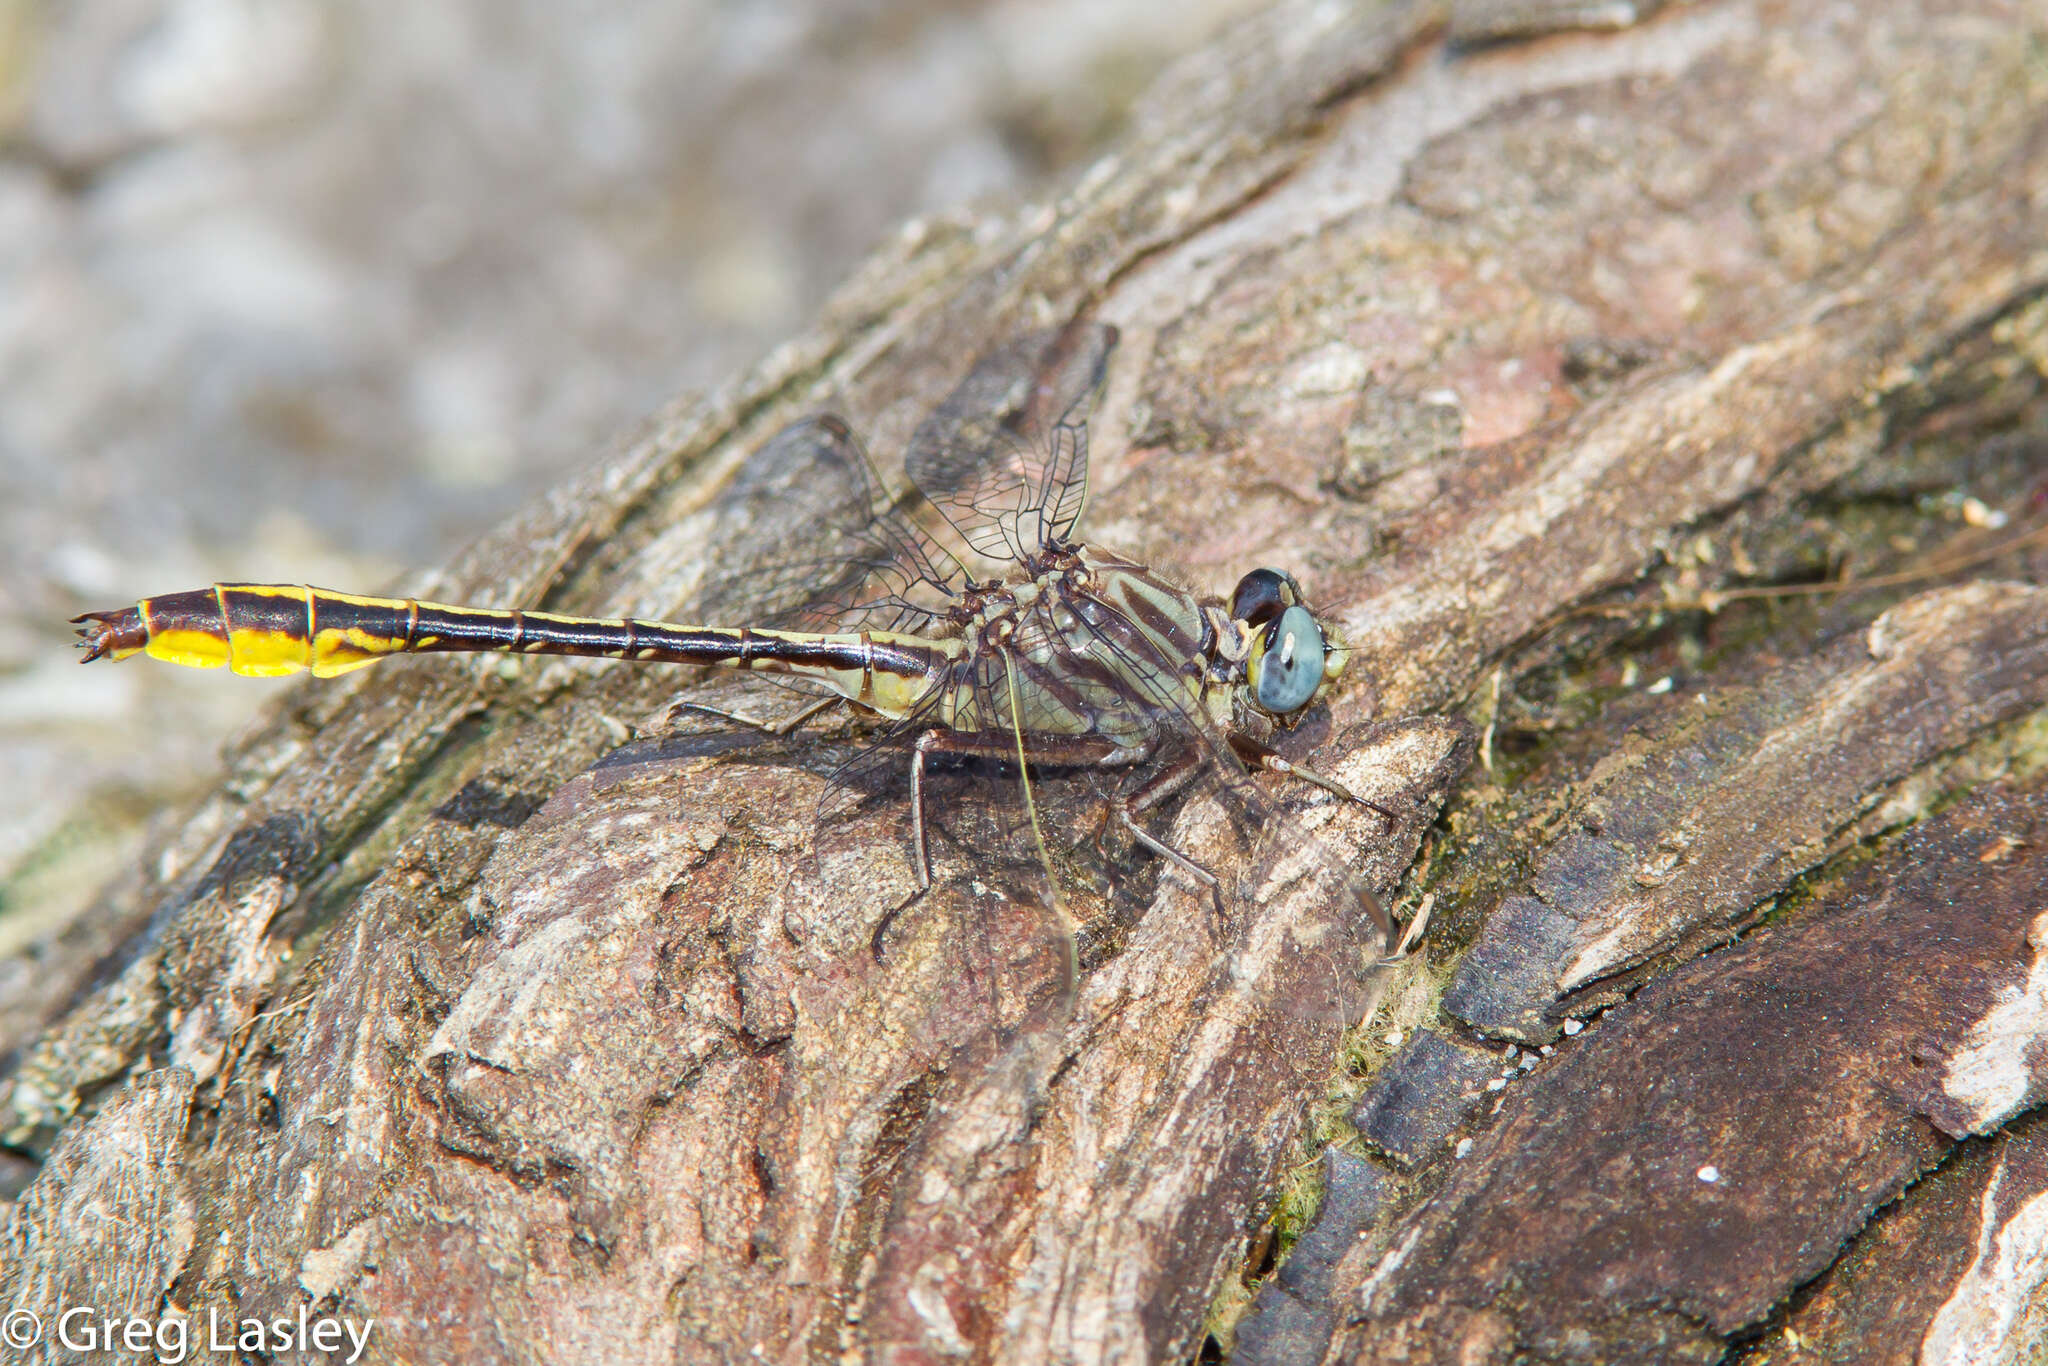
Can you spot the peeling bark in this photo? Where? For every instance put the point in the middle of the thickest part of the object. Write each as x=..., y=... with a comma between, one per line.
x=1513, y=331
x=1674, y=1172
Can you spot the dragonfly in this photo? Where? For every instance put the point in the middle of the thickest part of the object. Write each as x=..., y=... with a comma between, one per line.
x=1064, y=657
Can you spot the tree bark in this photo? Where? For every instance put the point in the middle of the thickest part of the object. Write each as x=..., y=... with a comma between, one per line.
x=1530, y=338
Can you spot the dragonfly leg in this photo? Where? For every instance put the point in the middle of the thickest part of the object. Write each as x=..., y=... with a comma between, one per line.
x=1260, y=756
x=1166, y=783
x=778, y=729
x=1055, y=750
x=888, y=922
x=1257, y=755
x=926, y=743
x=1167, y=851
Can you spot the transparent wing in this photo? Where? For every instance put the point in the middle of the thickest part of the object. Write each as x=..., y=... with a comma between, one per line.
x=857, y=563
x=834, y=552
x=1005, y=457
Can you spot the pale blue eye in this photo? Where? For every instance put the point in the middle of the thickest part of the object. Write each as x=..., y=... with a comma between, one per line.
x=1289, y=668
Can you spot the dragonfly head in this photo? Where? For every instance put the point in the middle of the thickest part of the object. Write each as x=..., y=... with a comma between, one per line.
x=1289, y=657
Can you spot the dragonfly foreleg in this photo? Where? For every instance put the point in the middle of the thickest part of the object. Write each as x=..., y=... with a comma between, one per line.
x=1259, y=756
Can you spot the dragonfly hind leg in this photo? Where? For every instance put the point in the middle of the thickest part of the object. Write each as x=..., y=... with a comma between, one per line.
x=778, y=729
x=1160, y=787
x=1067, y=750
x=1063, y=751
x=921, y=856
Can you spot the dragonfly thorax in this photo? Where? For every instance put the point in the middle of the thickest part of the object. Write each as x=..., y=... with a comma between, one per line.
x=1082, y=642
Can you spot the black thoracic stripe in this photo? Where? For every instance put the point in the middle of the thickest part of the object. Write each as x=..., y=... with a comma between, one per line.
x=1126, y=640
x=1128, y=689
x=1059, y=682
x=1147, y=613
x=1113, y=636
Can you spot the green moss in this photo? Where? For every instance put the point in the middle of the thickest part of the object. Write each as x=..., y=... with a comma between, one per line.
x=57, y=875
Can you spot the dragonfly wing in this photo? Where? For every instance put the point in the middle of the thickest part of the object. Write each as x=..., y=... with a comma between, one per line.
x=1005, y=457
x=834, y=552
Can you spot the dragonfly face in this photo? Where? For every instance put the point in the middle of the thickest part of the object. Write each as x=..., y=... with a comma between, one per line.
x=1289, y=658
x=1072, y=658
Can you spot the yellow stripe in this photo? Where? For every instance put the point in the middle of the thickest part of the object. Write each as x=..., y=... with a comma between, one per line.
x=485, y=613
x=294, y=592
x=260, y=653
x=358, y=599
x=618, y=622
x=339, y=651
x=263, y=653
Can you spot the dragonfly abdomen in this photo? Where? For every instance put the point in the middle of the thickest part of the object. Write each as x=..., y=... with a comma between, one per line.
x=265, y=629
x=259, y=629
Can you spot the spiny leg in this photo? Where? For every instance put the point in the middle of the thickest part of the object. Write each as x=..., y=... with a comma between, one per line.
x=778, y=729
x=1260, y=756
x=1066, y=750
x=1009, y=745
x=926, y=743
x=1160, y=787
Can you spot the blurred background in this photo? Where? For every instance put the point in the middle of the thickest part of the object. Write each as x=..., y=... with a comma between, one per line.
x=315, y=290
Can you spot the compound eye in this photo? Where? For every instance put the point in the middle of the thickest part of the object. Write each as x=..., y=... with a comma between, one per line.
x=1262, y=595
x=1287, y=668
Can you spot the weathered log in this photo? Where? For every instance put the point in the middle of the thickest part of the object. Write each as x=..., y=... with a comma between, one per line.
x=1517, y=345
